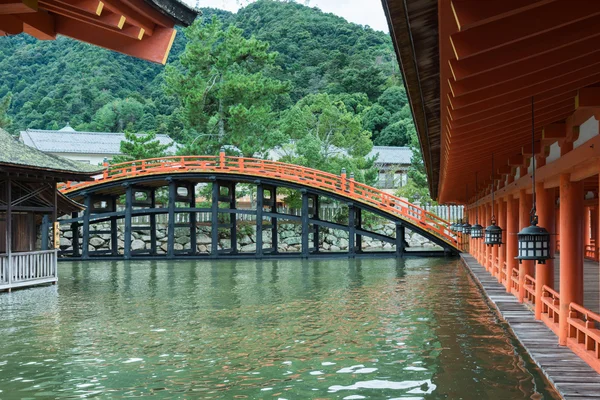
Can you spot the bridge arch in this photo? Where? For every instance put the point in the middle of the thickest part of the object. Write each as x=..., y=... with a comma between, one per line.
x=138, y=181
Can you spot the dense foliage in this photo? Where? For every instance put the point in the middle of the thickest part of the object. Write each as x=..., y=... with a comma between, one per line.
x=275, y=73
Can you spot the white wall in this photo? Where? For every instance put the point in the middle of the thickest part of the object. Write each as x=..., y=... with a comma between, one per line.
x=93, y=159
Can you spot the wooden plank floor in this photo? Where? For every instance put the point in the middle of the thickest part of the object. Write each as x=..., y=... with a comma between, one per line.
x=571, y=376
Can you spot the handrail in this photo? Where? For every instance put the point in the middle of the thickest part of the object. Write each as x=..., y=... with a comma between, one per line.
x=550, y=307
x=347, y=187
x=529, y=289
x=583, y=335
x=590, y=251
x=514, y=278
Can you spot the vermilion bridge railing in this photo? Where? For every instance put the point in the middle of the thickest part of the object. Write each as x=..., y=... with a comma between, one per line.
x=338, y=184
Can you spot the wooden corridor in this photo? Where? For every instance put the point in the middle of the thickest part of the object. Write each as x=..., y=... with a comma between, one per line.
x=571, y=376
x=591, y=283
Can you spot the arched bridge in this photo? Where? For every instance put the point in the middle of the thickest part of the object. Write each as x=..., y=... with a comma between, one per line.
x=121, y=219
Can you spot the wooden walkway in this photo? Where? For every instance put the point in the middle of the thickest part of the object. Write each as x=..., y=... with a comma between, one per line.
x=591, y=283
x=571, y=376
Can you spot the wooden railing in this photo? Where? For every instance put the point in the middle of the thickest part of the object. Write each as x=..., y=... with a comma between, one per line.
x=514, y=282
x=590, y=252
x=338, y=184
x=583, y=335
x=503, y=277
x=529, y=289
x=550, y=308
x=27, y=268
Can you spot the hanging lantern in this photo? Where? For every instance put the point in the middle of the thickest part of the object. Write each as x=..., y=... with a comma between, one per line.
x=533, y=241
x=493, y=233
x=459, y=226
x=466, y=228
x=477, y=229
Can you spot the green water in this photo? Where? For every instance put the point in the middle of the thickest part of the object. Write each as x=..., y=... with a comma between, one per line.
x=342, y=329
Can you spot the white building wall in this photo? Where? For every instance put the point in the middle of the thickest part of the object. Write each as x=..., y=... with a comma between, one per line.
x=93, y=159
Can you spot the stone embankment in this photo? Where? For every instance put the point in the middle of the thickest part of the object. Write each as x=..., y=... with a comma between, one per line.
x=289, y=239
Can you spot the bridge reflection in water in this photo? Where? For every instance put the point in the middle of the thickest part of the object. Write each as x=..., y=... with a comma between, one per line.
x=138, y=182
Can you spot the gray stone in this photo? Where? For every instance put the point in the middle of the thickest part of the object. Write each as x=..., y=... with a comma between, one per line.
x=334, y=248
x=164, y=247
x=138, y=244
x=64, y=242
x=343, y=243
x=203, y=239
x=245, y=239
x=182, y=239
x=248, y=248
x=146, y=238
x=96, y=241
x=292, y=240
x=202, y=248
x=178, y=246
x=67, y=234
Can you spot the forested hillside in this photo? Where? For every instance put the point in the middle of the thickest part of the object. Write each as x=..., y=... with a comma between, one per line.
x=63, y=81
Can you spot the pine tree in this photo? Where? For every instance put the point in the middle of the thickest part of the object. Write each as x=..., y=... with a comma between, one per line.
x=140, y=146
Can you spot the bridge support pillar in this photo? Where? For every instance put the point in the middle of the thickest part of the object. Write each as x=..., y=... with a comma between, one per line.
x=544, y=273
x=260, y=193
x=351, y=230
x=233, y=218
x=192, y=218
x=400, y=239
x=214, y=226
x=128, y=222
x=315, y=216
x=152, y=223
x=86, y=227
x=171, y=220
x=274, y=236
x=571, y=250
x=75, y=232
x=305, y=225
x=114, y=229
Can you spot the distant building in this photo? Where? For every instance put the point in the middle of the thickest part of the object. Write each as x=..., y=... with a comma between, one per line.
x=392, y=163
x=87, y=147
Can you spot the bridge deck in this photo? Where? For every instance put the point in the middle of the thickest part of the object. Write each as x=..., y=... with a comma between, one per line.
x=572, y=377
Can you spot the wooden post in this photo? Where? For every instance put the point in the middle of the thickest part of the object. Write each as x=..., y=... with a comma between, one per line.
x=512, y=227
x=260, y=193
x=128, y=212
x=544, y=273
x=316, y=216
x=274, y=237
x=305, y=225
x=114, y=229
x=400, y=239
x=233, y=219
x=214, y=226
x=46, y=232
x=502, y=248
x=171, y=220
x=75, y=236
x=153, y=247
x=351, y=230
x=192, y=194
x=358, y=224
x=571, y=260
x=525, y=267
x=85, y=245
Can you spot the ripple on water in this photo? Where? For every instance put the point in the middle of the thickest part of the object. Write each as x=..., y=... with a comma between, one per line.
x=344, y=329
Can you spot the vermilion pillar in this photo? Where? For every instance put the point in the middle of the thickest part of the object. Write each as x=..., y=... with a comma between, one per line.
x=512, y=228
x=571, y=250
x=502, y=249
x=525, y=267
x=544, y=273
x=486, y=249
x=586, y=229
x=494, y=249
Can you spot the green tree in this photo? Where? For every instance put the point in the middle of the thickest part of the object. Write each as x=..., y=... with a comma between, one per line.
x=416, y=190
x=140, y=146
x=118, y=116
x=225, y=94
x=5, y=119
x=329, y=137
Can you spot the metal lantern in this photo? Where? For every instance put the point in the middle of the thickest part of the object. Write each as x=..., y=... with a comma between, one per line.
x=459, y=226
x=477, y=231
x=493, y=235
x=466, y=228
x=534, y=243
x=453, y=227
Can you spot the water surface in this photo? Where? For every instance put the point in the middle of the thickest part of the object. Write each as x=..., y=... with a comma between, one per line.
x=292, y=329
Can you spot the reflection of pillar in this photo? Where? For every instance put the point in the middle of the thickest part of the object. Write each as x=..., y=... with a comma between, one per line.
x=502, y=248
x=512, y=227
x=526, y=267
x=544, y=273
x=571, y=260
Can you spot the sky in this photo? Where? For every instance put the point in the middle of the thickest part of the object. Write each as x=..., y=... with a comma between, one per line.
x=363, y=12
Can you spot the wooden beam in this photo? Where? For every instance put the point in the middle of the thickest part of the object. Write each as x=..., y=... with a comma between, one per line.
x=153, y=48
x=18, y=6
x=505, y=170
x=11, y=24
x=521, y=26
x=472, y=13
x=90, y=6
x=588, y=97
x=498, y=84
x=553, y=132
x=133, y=15
x=538, y=148
x=39, y=25
x=560, y=40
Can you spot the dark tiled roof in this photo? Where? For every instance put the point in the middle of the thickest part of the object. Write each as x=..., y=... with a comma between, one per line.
x=391, y=154
x=71, y=141
x=13, y=152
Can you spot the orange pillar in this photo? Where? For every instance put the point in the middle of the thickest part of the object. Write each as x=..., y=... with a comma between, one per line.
x=502, y=249
x=512, y=228
x=586, y=229
x=494, y=249
x=487, y=250
x=571, y=260
x=544, y=273
x=525, y=267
